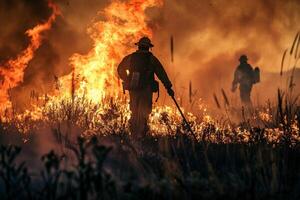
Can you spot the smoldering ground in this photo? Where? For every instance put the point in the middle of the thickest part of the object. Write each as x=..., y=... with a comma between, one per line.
x=209, y=37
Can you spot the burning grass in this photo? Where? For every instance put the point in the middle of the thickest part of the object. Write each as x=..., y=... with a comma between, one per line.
x=93, y=155
x=111, y=115
x=255, y=158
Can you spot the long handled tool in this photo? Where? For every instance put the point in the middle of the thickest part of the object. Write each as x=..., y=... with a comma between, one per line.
x=183, y=117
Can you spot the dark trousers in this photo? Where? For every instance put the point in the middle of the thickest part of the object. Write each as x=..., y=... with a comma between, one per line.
x=140, y=107
x=245, y=93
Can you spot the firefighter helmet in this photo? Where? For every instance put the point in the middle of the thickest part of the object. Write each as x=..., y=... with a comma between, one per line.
x=144, y=41
x=243, y=58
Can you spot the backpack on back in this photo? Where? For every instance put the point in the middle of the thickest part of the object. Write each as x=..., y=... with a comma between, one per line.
x=256, y=75
x=139, y=72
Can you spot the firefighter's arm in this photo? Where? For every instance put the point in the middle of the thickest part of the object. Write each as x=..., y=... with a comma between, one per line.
x=162, y=75
x=123, y=66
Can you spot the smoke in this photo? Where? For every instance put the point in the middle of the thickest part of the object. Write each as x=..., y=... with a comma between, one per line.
x=67, y=36
x=15, y=18
x=209, y=37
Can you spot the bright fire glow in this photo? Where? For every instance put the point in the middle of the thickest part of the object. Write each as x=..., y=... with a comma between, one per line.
x=94, y=74
x=12, y=72
x=91, y=96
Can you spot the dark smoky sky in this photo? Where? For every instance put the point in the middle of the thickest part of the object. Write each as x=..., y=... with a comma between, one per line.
x=15, y=18
x=209, y=37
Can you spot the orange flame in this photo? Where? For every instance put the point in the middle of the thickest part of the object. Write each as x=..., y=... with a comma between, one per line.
x=95, y=72
x=12, y=72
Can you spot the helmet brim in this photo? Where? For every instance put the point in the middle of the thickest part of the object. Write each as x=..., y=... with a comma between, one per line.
x=243, y=59
x=144, y=44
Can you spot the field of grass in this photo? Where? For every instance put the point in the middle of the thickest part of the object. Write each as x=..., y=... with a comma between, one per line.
x=77, y=152
x=75, y=149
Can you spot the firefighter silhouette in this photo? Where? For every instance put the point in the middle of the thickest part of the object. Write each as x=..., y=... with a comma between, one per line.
x=246, y=77
x=137, y=72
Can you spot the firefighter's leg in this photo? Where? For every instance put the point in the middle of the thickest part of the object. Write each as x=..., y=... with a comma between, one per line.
x=133, y=121
x=141, y=107
x=245, y=95
x=146, y=109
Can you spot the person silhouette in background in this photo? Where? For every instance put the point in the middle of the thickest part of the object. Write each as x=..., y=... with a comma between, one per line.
x=245, y=76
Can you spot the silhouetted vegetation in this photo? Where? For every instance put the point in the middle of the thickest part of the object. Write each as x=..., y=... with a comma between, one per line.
x=166, y=167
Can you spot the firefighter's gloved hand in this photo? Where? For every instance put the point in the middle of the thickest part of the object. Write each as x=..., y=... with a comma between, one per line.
x=170, y=92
